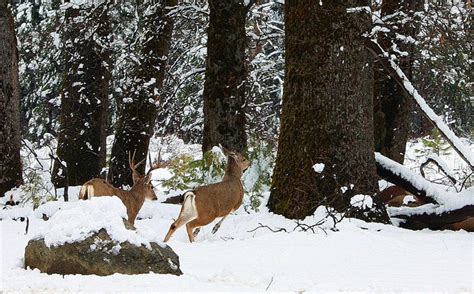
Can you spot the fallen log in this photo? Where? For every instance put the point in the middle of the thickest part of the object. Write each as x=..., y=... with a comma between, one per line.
x=401, y=176
x=433, y=221
x=444, y=209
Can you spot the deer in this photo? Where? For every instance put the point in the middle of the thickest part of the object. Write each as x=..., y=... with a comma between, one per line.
x=133, y=199
x=396, y=196
x=204, y=204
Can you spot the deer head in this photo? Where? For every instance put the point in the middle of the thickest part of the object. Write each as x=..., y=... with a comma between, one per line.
x=236, y=160
x=144, y=182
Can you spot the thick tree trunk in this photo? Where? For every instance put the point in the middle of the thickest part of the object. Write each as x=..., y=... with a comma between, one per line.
x=391, y=108
x=327, y=112
x=224, y=88
x=137, y=114
x=10, y=161
x=84, y=98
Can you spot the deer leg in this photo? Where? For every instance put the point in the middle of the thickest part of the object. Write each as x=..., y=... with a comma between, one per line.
x=177, y=224
x=187, y=214
x=196, y=232
x=189, y=229
x=218, y=225
x=131, y=218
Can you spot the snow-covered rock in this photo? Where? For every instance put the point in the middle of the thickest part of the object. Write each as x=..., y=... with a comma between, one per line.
x=92, y=237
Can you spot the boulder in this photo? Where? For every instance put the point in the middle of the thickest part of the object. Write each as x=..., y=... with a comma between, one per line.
x=101, y=255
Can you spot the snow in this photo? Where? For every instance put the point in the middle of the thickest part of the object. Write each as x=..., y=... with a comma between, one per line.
x=243, y=255
x=362, y=201
x=84, y=218
x=442, y=164
x=359, y=257
x=318, y=167
x=437, y=192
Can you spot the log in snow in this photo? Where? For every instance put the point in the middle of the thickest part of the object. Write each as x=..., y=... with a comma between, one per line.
x=396, y=73
x=403, y=177
x=432, y=220
x=443, y=207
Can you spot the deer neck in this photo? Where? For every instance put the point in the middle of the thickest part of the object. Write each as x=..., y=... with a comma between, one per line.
x=232, y=173
x=137, y=189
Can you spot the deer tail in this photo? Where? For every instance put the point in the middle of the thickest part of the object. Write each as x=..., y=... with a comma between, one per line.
x=83, y=192
x=87, y=191
x=188, y=210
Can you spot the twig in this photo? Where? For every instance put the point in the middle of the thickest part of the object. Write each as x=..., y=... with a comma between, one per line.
x=260, y=226
x=465, y=181
x=439, y=165
x=305, y=227
x=269, y=284
x=27, y=225
x=66, y=176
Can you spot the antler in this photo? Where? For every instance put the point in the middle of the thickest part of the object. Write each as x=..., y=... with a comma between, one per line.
x=133, y=166
x=135, y=174
x=158, y=163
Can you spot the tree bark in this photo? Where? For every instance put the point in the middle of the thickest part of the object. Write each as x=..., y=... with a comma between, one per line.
x=327, y=112
x=224, y=87
x=137, y=114
x=10, y=134
x=391, y=108
x=84, y=97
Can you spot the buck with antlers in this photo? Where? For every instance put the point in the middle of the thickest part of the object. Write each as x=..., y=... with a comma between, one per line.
x=132, y=199
x=206, y=203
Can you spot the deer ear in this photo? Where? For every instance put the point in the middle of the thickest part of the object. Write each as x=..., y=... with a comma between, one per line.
x=148, y=178
x=225, y=150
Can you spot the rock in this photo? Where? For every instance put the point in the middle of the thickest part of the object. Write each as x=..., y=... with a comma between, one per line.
x=100, y=255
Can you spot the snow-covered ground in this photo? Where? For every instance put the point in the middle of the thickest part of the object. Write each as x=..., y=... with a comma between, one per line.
x=246, y=255
x=358, y=257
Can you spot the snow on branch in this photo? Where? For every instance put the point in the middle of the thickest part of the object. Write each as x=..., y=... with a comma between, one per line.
x=436, y=160
x=449, y=208
x=416, y=184
x=396, y=73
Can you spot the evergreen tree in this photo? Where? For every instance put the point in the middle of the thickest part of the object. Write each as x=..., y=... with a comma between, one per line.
x=224, y=87
x=10, y=161
x=137, y=110
x=84, y=97
x=391, y=108
x=327, y=112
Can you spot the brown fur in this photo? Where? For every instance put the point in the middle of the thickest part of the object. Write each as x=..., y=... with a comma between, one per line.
x=467, y=225
x=133, y=199
x=206, y=203
x=394, y=196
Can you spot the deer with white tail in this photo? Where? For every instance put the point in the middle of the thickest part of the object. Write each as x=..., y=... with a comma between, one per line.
x=206, y=203
x=132, y=199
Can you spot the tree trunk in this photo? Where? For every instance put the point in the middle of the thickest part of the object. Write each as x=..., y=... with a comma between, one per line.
x=327, y=112
x=84, y=97
x=10, y=161
x=137, y=114
x=391, y=108
x=224, y=88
